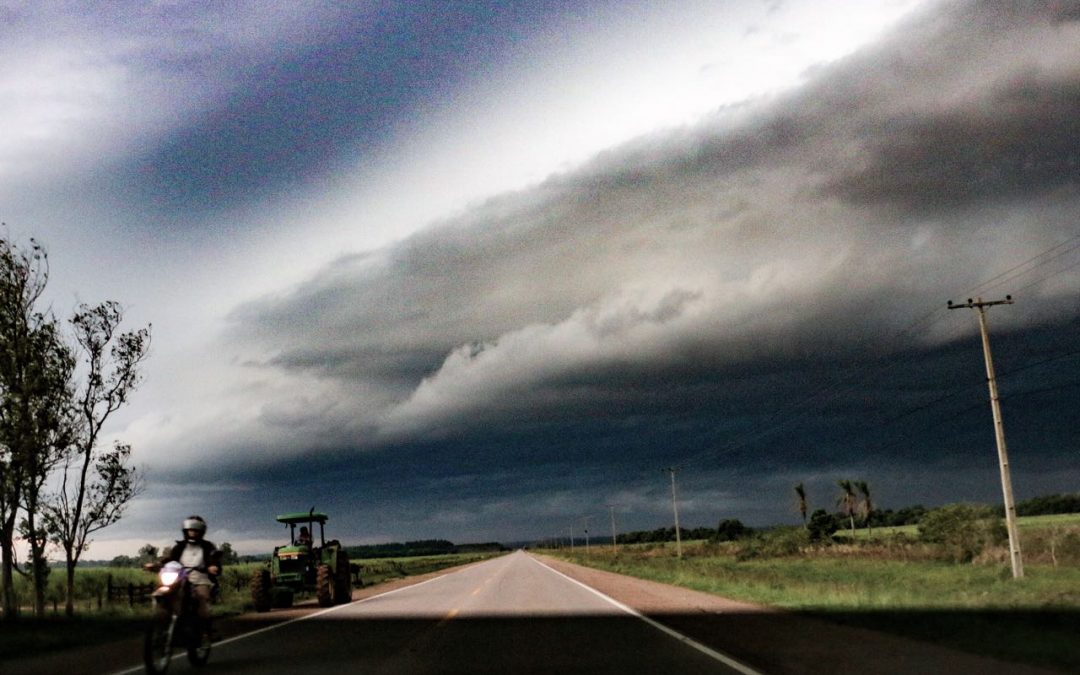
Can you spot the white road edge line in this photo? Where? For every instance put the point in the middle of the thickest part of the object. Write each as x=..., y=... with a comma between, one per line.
x=235, y=638
x=708, y=651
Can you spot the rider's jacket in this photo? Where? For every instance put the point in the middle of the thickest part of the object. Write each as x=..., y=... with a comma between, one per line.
x=196, y=554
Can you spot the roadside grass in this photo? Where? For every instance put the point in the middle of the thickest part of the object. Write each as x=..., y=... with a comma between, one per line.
x=973, y=607
x=378, y=570
x=98, y=621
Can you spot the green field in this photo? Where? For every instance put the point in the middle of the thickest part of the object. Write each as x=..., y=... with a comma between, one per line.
x=1064, y=520
x=895, y=584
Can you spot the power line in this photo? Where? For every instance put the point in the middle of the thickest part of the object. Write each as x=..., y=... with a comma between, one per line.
x=866, y=374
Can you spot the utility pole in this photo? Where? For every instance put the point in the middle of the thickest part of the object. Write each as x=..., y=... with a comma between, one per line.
x=999, y=431
x=614, y=543
x=586, y=519
x=571, y=537
x=675, y=507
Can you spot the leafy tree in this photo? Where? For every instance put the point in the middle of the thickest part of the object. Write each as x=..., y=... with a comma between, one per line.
x=228, y=555
x=124, y=561
x=35, y=427
x=147, y=554
x=97, y=484
x=730, y=530
x=847, y=502
x=909, y=515
x=800, y=495
x=866, y=506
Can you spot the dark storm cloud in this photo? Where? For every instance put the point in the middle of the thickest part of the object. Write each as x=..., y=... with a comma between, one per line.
x=759, y=297
x=1018, y=142
x=333, y=102
x=740, y=206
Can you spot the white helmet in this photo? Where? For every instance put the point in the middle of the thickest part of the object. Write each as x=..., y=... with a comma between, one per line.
x=195, y=523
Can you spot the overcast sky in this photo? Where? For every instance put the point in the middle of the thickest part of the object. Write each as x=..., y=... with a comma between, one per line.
x=478, y=270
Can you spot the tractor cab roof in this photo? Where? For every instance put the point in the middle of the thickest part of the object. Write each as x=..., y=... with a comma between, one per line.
x=303, y=517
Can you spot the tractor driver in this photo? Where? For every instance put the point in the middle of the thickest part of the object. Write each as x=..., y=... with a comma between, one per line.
x=204, y=561
x=304, y=538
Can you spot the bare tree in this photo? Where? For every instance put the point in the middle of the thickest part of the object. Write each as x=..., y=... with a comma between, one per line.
x=35, y=371
x=800, y=496
x=96, y=485
x=847, y=502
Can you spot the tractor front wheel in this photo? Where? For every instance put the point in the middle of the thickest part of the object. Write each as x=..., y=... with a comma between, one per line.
x=324, y=586
x=260, y=590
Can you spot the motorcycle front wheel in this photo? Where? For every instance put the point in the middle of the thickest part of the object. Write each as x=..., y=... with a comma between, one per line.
x=157, y=647
x=198, y=651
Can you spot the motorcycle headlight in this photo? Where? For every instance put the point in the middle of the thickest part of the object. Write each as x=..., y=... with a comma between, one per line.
x=170, y=573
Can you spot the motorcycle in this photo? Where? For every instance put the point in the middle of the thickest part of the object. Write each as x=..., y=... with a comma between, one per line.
x=175, y=623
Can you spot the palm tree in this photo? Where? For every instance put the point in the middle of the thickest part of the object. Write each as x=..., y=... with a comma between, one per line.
x=847, y=503
x=800, y=491
x=866, y=508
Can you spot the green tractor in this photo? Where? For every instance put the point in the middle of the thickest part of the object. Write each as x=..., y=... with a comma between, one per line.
x=304, y=564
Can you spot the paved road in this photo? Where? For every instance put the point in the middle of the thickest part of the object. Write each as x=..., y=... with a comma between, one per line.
x=508, y=615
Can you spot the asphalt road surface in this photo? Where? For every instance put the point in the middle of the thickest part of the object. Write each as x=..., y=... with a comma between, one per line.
x=512, y=614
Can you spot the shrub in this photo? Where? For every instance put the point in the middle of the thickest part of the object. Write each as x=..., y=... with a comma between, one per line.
x=775, y=543
x=822, y=525
x=963, y=530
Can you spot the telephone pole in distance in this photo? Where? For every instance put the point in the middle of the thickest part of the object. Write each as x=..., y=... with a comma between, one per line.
x=614, y=537
x=675, y=507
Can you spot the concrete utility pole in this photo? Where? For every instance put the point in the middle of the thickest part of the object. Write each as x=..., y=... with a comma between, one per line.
x=999, y=431
x=571, y=537
x=675, y=507
x=586, y=528
x=614, y=537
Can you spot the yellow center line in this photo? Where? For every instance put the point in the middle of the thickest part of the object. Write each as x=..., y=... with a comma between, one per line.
x=449, y=615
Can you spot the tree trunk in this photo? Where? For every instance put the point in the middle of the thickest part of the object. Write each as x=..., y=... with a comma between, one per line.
x=7, y=564
x=39, y=567
x=69, y=604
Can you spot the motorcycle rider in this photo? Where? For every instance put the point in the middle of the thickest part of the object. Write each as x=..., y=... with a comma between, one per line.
x=204, y=561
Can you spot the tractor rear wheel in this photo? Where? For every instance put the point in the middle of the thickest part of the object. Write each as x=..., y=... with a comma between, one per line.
x=342, y=580
x=260, y=590
x=324, y=586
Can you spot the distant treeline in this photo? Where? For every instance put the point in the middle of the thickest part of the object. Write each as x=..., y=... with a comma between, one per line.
x=730, y=529
x=1047, y=506
x=663, y=534
x=417, y=548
